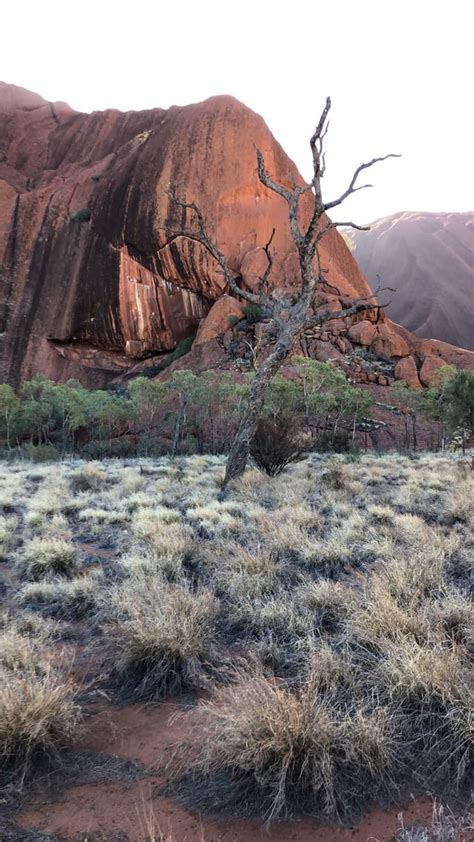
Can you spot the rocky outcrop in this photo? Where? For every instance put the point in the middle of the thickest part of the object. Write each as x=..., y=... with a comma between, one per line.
x=93, y=281
x=87, y=260
x=428, y=258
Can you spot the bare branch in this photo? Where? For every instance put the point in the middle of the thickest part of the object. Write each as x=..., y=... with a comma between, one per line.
x=291, y=197
x=204, y=239
x=360, y=305
x=317, y=139
x=352, y=186
x=350, y=225
x=266, y=274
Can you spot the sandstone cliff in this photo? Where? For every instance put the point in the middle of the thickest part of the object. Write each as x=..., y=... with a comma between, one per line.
x=429, y=259
x=83, y=212
x=89, y=287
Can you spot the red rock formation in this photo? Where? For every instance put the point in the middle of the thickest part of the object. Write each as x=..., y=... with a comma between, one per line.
x=91, y=281
x=429, y=259
x=362, y=333
x=84, y=212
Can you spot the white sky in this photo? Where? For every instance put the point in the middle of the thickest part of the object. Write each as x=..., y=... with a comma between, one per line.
x=399, y=73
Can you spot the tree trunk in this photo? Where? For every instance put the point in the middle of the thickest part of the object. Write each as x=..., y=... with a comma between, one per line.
x=415, y=437
x=179, y=425
x=239, y=452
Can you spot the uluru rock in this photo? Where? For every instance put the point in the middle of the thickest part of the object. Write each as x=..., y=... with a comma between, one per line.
x=406, y=370
x=430, y=368
x=428, y=258
x=94, y=279
x=219, y=318
x=89, y=263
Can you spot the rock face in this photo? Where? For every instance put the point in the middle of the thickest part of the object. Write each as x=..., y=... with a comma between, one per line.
x=89, y=270
x=92, y=279
x=429, y=259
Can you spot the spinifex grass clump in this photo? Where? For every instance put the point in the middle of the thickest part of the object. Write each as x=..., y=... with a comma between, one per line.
x=431, y=688
x=65, y=599
x=44, y=557
x=266, y=750
x=160, y=638
x=39, y=712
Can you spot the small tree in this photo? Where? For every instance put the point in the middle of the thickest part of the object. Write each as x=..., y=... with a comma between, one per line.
x=450, y=401
x=9, y=412
x=289, y=312
x=148, y=397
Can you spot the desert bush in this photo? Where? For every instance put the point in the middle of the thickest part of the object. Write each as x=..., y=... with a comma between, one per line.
x=266, y=750
x=41, y=452
x=252, y=313
x=45, y=557
x=160, y=638
x=276, y=443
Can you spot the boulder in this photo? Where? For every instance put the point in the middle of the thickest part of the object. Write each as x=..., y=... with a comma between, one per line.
x=217, y=320
x=343, y=344
x=406, y=370
x=429, y=369
x=362, y=333
x=388, y=341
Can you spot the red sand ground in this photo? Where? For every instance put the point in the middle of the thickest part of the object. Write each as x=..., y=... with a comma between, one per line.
x=145, y=733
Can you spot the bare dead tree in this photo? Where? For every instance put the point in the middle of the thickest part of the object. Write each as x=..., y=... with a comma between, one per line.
x=290, y=312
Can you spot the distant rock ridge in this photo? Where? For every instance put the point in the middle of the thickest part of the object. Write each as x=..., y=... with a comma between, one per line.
x=90, y=285
x=429, y=259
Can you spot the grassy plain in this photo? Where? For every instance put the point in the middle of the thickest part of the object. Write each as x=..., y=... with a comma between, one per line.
x=319, y=624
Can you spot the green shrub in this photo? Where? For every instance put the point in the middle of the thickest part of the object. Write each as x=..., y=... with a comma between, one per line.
x=183, y=347
x=41, y=452
x=253, y=313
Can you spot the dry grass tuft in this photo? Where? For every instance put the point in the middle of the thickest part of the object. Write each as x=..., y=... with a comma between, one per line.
x=39, y=712
x=444, y=827
x=160, y=638
x=72, y=599
x=46, y=557
x=271, y=751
